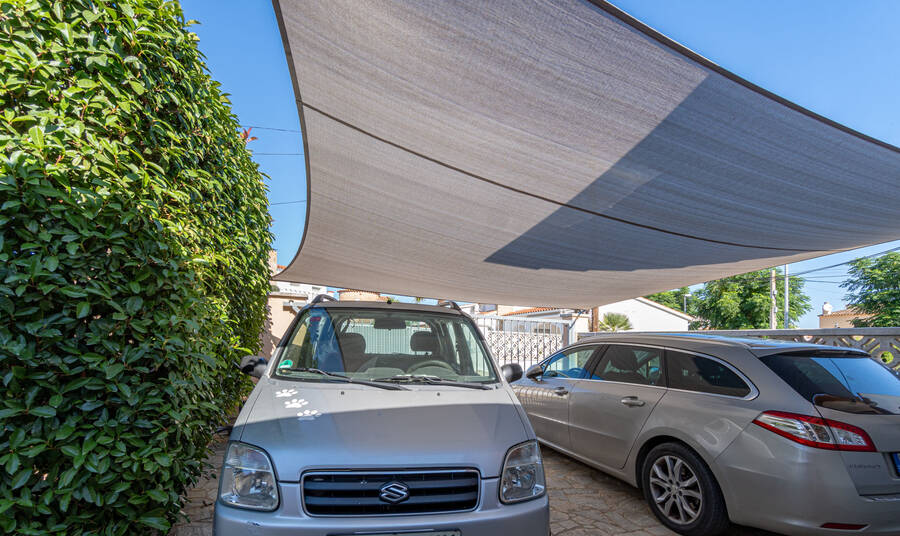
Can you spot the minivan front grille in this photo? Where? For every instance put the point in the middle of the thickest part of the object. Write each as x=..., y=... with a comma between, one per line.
x=363, y=493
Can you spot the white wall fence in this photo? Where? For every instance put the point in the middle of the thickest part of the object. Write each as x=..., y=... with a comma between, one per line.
x=876, y=341
x=521, y=340
x=384, y=341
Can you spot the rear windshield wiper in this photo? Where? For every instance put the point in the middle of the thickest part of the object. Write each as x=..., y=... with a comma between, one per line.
x=345, y=379
x=431, y=380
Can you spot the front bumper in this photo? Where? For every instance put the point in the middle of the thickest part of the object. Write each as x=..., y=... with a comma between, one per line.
x=772, y=483
x=491, y=517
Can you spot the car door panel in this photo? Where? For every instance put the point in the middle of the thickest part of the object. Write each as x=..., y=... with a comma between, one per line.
x=546, y=398
x=606, y=417
x=608, y=410
x=547, y=408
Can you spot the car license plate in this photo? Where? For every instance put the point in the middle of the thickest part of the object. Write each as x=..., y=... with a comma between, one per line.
x=432, y=533
x=896, y=457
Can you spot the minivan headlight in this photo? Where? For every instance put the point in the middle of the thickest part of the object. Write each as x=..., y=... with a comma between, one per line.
x=248, y=480
x=523, y=474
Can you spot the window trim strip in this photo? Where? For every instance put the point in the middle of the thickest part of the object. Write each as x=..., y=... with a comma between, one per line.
x=753, y=394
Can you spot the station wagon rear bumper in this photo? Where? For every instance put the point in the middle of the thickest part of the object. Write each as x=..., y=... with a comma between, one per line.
x=772, y=483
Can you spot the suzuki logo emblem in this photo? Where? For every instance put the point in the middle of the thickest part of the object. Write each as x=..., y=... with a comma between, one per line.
x=394, y=492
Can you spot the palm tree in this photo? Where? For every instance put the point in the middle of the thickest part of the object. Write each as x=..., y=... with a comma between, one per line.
x=614, y=322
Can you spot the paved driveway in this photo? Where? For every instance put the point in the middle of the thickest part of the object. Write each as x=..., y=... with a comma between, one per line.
x=583, y=501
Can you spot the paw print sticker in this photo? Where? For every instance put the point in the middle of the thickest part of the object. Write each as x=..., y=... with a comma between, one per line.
x=308, y=414
x=296, y=403
x=285, y=393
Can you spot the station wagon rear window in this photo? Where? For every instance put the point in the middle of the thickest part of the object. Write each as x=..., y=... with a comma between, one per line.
x=852, y=383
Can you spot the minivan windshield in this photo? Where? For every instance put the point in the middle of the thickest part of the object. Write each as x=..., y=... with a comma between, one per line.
x=384, y=345
x=852, y=383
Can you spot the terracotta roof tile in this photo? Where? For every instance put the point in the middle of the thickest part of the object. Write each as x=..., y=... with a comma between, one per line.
x=846, y=312
x=530, y=310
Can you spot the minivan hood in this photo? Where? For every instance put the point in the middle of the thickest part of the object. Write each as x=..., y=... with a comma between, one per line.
x=321, y=425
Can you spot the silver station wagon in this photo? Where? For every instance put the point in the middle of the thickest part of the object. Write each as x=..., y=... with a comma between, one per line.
x=375, y=418
x=789, y=437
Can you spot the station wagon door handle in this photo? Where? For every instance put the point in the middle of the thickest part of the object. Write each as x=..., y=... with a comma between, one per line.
x=632, y=401
x=561, y=391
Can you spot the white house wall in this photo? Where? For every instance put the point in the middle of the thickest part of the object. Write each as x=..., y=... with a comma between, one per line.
x=645, y=317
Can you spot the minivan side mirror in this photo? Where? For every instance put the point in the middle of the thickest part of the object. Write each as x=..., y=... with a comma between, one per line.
x=253, y=365
x=534, y=371
x=511, y=371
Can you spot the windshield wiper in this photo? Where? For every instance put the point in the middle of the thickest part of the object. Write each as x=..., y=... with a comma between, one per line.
x=345, y=379
x=431, y=380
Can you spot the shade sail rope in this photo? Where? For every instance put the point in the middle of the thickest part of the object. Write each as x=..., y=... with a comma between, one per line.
x=538, y=196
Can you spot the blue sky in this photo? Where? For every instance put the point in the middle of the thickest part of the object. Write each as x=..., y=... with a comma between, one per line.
x=833, y=57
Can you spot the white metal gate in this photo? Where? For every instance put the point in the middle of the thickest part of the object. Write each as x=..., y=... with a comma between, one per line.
x=521, y=340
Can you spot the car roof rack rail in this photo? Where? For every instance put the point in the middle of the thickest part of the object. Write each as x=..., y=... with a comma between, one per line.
x=452, y=304
x=320, y=298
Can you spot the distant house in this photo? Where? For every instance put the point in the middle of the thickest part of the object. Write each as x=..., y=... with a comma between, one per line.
x=839, y=319
x=644, y=315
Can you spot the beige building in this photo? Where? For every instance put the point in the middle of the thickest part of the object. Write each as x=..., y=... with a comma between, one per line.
x=360, y=295
x=285, y=299
x=838, y=319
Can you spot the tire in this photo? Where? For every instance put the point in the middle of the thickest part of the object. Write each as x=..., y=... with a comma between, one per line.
x=690, y=502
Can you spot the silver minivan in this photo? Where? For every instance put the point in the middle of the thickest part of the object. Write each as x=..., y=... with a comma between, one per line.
x=382, y=418
x=786, y=436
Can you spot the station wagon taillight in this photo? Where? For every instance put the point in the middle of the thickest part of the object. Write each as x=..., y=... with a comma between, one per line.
x=816, y=431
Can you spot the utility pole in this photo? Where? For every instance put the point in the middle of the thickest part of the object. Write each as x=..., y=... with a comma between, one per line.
x=787, y=299
x=774, y=295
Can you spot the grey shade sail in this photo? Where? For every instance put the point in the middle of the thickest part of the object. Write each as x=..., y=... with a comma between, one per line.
x=555, y=152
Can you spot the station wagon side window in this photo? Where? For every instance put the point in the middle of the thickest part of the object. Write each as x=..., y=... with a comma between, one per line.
x=631, y=364
x=691, y=372
x=569, y=364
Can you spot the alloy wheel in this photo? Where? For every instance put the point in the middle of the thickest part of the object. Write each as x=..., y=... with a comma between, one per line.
x=676, y=490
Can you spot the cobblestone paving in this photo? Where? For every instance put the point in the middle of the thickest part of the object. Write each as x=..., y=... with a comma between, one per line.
x=583, y=501
x=202, y=497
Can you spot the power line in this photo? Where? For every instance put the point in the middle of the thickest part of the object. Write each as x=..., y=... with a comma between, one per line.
x=271, y=128
x=288, y=202
x=277, y=154
x=799, y=275
x=848, y=262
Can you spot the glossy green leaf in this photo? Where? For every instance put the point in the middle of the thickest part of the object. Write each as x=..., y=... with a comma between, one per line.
x=155, y=522
x=20, y=478
x=158, y=495
x=43, y=411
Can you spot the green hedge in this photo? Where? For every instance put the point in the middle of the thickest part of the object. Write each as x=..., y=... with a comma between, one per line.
x=133, y=246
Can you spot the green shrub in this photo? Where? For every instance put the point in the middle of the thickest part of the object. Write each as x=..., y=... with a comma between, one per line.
x=133, y=246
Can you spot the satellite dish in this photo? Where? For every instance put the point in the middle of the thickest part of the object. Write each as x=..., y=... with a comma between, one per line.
x=827, y=308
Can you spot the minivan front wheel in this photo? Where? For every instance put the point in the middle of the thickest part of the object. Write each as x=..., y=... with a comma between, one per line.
x=682, y=492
